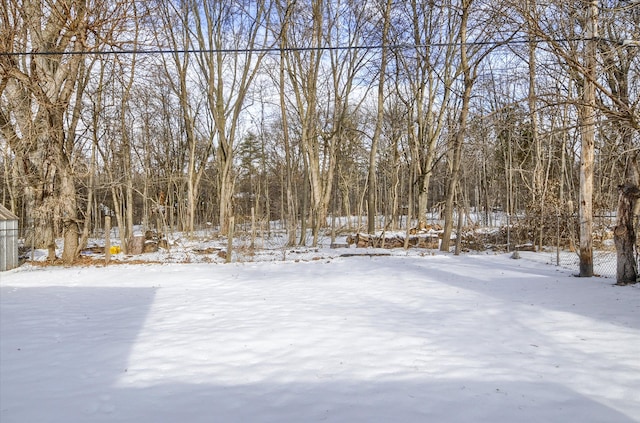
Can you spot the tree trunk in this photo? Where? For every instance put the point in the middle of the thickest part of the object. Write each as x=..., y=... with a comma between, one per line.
x=225, y=186
x=290, y=219
x=624, y=235
x=69, y=209
x=88, y=215
x=587, y=146
x=469, y=79
x=373, y=153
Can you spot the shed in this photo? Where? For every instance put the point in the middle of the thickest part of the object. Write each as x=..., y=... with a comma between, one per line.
x=8, y=239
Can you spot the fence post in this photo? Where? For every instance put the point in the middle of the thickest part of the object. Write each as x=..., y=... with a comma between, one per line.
x=230, y=240
x=557, y=239
x=253, y=227
x=508, y=233
x=107, y=239
x=33, y=239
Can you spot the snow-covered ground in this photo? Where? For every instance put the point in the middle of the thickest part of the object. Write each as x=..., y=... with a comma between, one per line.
x=402, y=338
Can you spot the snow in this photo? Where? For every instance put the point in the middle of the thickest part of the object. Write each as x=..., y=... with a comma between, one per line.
x=401, y=338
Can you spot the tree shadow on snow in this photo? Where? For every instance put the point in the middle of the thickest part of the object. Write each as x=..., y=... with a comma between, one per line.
x=58, y=344
x=522, y=283
x=334, y=401
x=64, y=354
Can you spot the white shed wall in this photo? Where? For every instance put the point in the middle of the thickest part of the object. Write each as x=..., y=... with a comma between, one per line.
x=8, y=244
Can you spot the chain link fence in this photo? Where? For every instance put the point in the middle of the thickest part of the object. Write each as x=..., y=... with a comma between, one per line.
x=553, y=239
x=549, y=238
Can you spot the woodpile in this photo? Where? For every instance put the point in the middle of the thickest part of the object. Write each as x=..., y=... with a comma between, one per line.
x=91, y=250
x=423, y=228
x=396, y=241
x=147, y=243
x=208, y=250
x=338, y=245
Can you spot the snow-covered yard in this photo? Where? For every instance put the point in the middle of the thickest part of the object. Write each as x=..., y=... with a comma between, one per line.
x=473, y=338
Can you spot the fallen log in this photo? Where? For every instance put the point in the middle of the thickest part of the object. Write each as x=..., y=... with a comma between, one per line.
x=370, y=241
x=365, y=255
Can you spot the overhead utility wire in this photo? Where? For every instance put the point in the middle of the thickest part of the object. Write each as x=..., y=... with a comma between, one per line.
x=283, y=49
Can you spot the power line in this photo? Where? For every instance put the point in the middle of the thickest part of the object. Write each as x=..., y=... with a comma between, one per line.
x=284, y=49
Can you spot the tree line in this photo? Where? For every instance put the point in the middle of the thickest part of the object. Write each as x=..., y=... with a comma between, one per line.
x=180, y=113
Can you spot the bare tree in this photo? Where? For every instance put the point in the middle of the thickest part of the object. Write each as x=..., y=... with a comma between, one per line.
x=583, y=69
x=284, y=11
x=303, y=71
x=39, y=79
x=320, y=89
x=587, y=112
x=230, y=37
x=172, y=29
x=385, y=17
x=619, y=107
x=469, y=65
x=429, y=69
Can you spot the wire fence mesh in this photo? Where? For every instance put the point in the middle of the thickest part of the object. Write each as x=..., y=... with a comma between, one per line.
x=551, y=238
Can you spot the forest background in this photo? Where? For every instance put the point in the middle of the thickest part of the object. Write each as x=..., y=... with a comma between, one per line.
x=175, y=115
